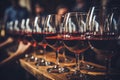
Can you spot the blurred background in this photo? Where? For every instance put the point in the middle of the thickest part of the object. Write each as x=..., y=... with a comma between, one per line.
x=50, y=5
x=32, y=8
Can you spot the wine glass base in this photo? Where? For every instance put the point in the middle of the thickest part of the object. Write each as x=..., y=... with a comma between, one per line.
x=77, y=75
x=66, y=60
x=84, y=66
x=42, y=62
x=58, y=69
x=30, y=58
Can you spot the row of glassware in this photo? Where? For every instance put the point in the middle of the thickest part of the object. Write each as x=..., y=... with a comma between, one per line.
x=87, y=24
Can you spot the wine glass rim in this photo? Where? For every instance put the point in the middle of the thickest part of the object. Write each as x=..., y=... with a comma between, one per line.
x=51, y=14
x=82, y=13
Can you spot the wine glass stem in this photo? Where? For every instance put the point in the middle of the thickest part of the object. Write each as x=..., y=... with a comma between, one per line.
x=64, y=56
x=44, y=53
x=77, y=62
x=34, y=53
x=57, y=58
x=82, y=57
x=108, y=65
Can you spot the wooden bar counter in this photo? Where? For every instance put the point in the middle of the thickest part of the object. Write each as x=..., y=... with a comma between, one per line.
x=41, y=72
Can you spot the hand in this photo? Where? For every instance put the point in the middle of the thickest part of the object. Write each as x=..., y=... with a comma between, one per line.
x=9, y=40
x=21, y=49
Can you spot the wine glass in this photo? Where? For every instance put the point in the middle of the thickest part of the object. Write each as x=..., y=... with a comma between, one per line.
x=74, y=28
x=25, y=32
x=40, y=32
x=38, y=36
x=77, y=26
x=106, y=52
x=106, y=46
x=70, y=26
x=18, y=29
x=77, y=49
x=59, y=33
x=102, y=45
x=54, y=26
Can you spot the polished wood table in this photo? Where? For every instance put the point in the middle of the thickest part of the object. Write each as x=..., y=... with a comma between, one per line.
x=41, y=72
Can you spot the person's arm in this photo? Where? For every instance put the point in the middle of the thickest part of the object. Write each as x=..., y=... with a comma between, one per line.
x=21, y=49
x=9, y=40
